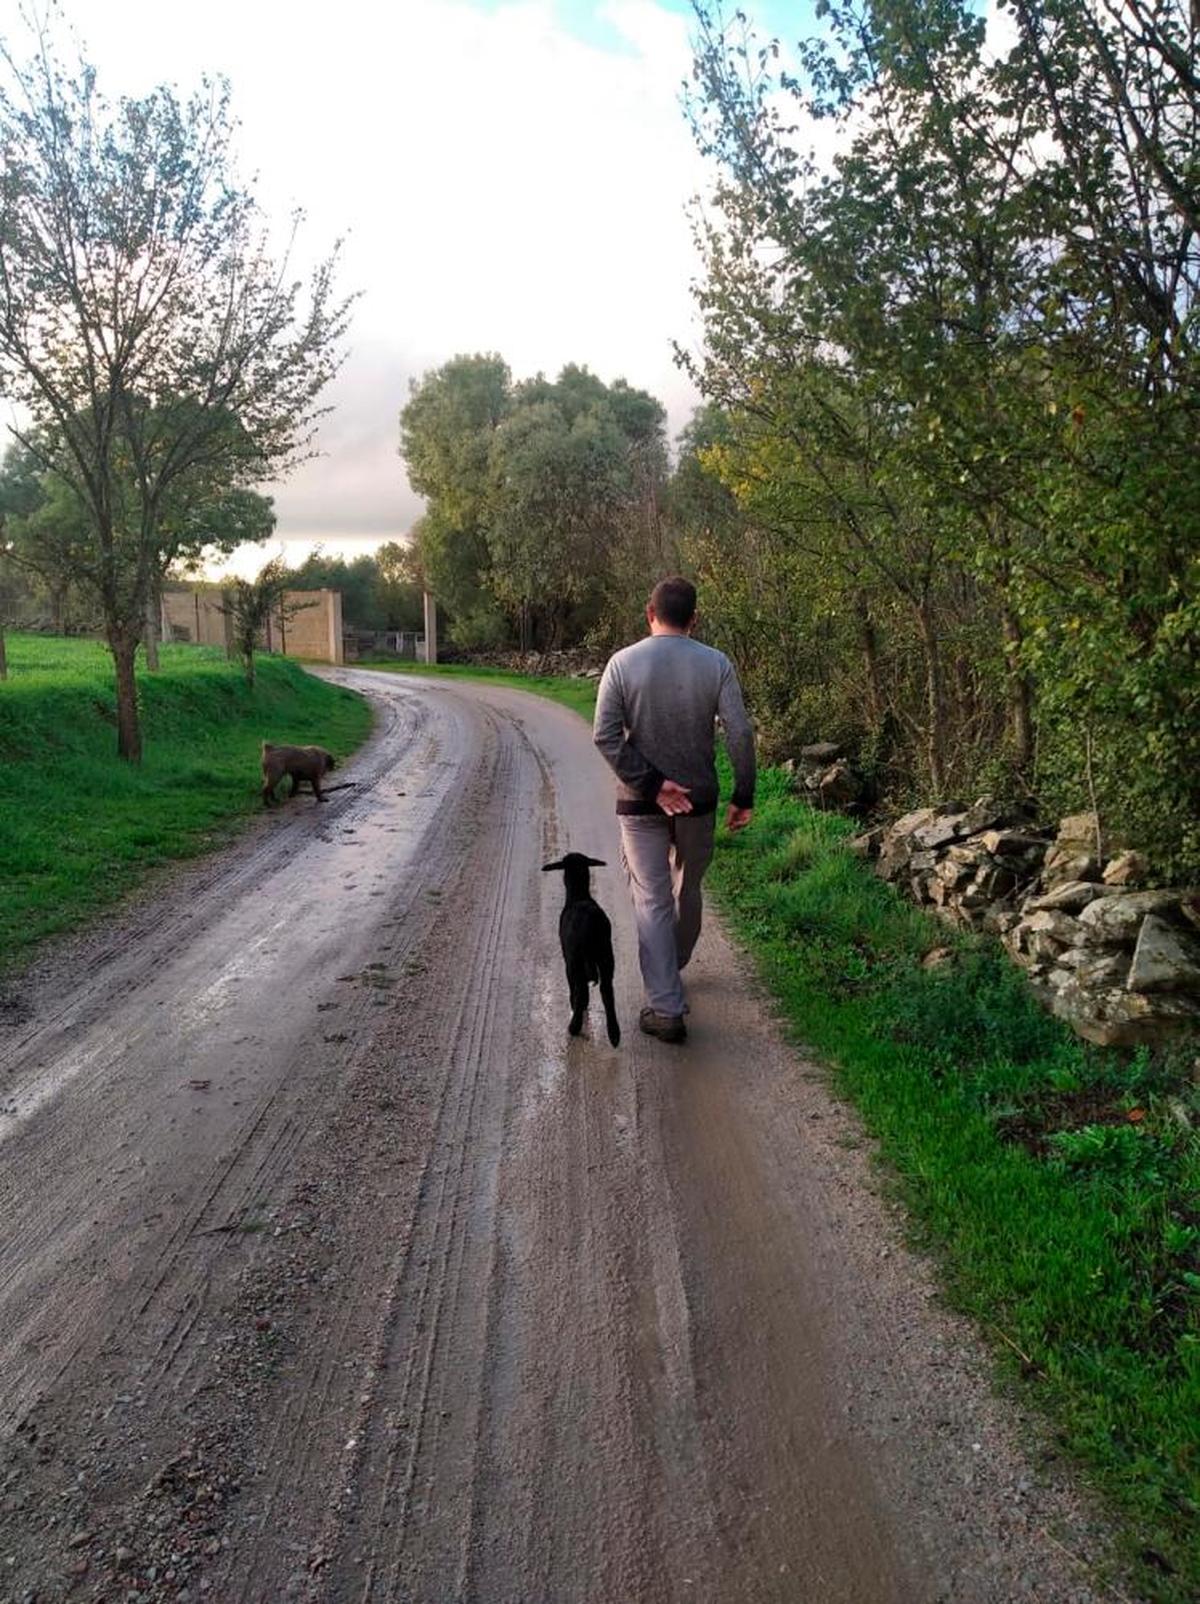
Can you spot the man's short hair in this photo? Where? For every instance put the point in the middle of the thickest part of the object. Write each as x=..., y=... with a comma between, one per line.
x=673, y=601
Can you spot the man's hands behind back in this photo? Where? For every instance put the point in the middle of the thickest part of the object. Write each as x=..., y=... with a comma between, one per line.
x=673, y=799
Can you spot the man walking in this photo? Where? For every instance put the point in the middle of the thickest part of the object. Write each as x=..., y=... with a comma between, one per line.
x=655, y=715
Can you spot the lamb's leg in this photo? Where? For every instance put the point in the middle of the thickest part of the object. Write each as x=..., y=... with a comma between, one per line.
x=579, y=1000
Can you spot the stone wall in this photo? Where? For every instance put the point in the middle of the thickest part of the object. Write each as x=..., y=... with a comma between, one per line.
x=828, y=779
x=1118, y=961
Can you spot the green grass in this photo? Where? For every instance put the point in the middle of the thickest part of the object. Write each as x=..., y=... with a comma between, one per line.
x=79, y=829
x=1068, y=1229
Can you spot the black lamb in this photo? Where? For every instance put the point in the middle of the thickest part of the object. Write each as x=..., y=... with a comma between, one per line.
x=586, y=937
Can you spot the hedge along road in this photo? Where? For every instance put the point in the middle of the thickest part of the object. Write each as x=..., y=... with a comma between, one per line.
x=333, y=1270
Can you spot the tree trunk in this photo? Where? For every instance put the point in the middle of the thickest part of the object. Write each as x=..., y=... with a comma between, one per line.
x=934, y=712
x=3, y=655
x=58, y=607
x=1018, y=687
x=151, y=632
x=248, y=665
x=1020, y=696
x=124, y=647
x=869, y=641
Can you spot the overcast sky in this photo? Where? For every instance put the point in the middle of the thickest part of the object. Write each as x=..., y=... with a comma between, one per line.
x=509, y=175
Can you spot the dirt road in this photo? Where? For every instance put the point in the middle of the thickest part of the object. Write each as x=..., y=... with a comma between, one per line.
x=332, y=1270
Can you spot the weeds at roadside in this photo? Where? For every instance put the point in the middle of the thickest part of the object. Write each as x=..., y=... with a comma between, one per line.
x=1058, y=1184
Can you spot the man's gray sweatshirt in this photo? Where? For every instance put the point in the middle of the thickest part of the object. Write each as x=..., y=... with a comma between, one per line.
x=655, y=715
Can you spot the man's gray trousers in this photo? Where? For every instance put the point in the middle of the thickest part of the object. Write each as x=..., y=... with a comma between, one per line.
x=665, y=859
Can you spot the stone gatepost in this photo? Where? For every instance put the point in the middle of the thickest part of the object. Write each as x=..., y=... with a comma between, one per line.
x=431, y=640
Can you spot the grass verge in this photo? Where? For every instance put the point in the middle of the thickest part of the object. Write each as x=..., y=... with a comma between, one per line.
x=577, y=694
x=1057, y=1185
x=79, y=828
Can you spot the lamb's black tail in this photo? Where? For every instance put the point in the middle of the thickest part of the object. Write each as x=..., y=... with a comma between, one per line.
x=610, y=1009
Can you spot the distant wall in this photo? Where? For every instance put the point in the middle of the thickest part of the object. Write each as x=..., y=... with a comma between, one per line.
x=195, y=615
x=314, y=630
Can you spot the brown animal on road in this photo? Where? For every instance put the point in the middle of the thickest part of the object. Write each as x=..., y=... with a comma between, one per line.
x=300, y=762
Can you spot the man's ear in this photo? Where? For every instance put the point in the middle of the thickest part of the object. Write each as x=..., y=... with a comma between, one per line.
x=649, y=613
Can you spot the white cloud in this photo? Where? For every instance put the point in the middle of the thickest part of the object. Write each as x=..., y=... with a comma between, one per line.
x=503, y=185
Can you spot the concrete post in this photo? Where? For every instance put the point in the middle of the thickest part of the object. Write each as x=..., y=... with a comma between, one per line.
x=431, y=640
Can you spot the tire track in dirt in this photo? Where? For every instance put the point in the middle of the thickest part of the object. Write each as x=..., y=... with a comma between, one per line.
x=108, y=1055
x=118, y=1215
x=434, y=1351
x=484, y=872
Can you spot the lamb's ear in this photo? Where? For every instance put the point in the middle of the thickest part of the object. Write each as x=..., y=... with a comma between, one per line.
x=546, y=867
x=596, y=863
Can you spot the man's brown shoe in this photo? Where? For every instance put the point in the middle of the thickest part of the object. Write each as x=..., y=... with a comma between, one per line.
x=666, y=1027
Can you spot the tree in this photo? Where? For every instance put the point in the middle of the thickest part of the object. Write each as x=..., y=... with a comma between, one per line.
x=1114, y=594
x=786, y=598
x=398, y=588
x=144, y=322
x=446, y=430
x=49, y=527
x=46, y=527
x=454, y=564
x=867, y=318
x=956, y=373
x=203, y=518
x=380, y=590
x=22, y=506
x=357, y=580
x=5, y=587
x=543, y=497
x=446, y=434
x=251, y=604
x=558, y=485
